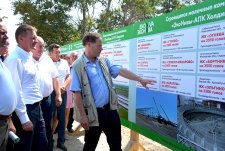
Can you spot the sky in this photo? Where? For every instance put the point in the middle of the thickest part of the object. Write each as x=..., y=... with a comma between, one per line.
x=10, y=22
x=167, y=101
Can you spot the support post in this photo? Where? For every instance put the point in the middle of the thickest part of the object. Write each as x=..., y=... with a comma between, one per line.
x=133, y=144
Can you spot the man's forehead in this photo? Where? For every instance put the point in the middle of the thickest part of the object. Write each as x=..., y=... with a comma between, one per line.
x=32, y=32
x=3, y=27
x=56, y=49
x=99, y=41
x=40, y=43
x=41, y=40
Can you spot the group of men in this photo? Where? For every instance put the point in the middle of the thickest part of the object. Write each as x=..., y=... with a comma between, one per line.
x=34, y=86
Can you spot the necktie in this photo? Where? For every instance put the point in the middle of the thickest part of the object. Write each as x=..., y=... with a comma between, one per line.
x=2, y=58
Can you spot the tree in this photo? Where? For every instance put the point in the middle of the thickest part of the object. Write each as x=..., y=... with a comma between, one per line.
x=55, y=23
x=50, y=18
x=85, y=21
x=109, y=20
x=2, y=17
x=170, y=5
x=192, y=2
x=132, y=11
x=128, y=12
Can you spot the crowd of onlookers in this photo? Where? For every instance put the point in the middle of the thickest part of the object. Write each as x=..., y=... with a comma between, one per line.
x=34, y=92
x=38, y=93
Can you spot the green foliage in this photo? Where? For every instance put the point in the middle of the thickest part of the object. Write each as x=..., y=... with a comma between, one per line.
x=109, y=20
x=123, y=113
x=2, y=17
x=50, y=18
x=132, y=11
x=170, y=5
x=54, y=24
x=87, y=10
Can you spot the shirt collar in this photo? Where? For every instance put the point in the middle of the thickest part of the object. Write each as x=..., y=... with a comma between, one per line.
x=87, y=60
x=2, y=58
x=44, y=55
x=35, y=61
x=24, y=53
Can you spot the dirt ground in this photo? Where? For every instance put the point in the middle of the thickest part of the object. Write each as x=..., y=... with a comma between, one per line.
x=75, y=141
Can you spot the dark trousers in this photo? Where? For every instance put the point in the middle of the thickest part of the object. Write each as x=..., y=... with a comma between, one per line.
x=61, y=115
x=31, y=140
x=3, y=134
x=70, y=121
x=46, y=108
x=109, y=123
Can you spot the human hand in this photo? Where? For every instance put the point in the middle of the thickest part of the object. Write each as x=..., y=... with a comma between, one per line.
x=58, y=100
x=62, y=89
x=144, y=82
x=11, y=126
x=84, y=122
x=28, y=126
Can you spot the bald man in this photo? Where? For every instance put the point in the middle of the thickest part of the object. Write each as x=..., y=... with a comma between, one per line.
x=8, y=95
x=49, y=81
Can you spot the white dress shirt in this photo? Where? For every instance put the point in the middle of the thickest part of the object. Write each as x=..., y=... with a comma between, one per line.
x=7, y=91
x=63, y=68
x=25, y=77
x=47, y=71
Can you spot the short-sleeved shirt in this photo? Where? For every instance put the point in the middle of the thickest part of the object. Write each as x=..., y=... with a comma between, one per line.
x=97, y=81
x=63, y=69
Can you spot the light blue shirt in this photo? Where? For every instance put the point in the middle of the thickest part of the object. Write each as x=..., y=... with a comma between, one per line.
x=98, y=83
x=8, y=98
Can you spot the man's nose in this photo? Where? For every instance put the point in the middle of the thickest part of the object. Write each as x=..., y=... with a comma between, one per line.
x=5, y=36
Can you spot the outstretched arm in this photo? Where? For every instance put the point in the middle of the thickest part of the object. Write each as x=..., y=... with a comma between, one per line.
x=131, y=76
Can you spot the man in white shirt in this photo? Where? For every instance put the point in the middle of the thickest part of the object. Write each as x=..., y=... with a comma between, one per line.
x=49, y=80
x=64, y=79
x=8, y=92
x=28, y=118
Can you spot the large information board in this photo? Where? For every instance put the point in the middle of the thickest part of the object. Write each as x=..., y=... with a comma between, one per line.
x=184, y=52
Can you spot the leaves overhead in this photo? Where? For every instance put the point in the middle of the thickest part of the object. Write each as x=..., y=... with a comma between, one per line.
x=56, y=23
x=132, y=11
x=49, y=17
x=2, y=17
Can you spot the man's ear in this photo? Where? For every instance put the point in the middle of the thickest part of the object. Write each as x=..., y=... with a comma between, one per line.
x=20, y=38
x=88, y=44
